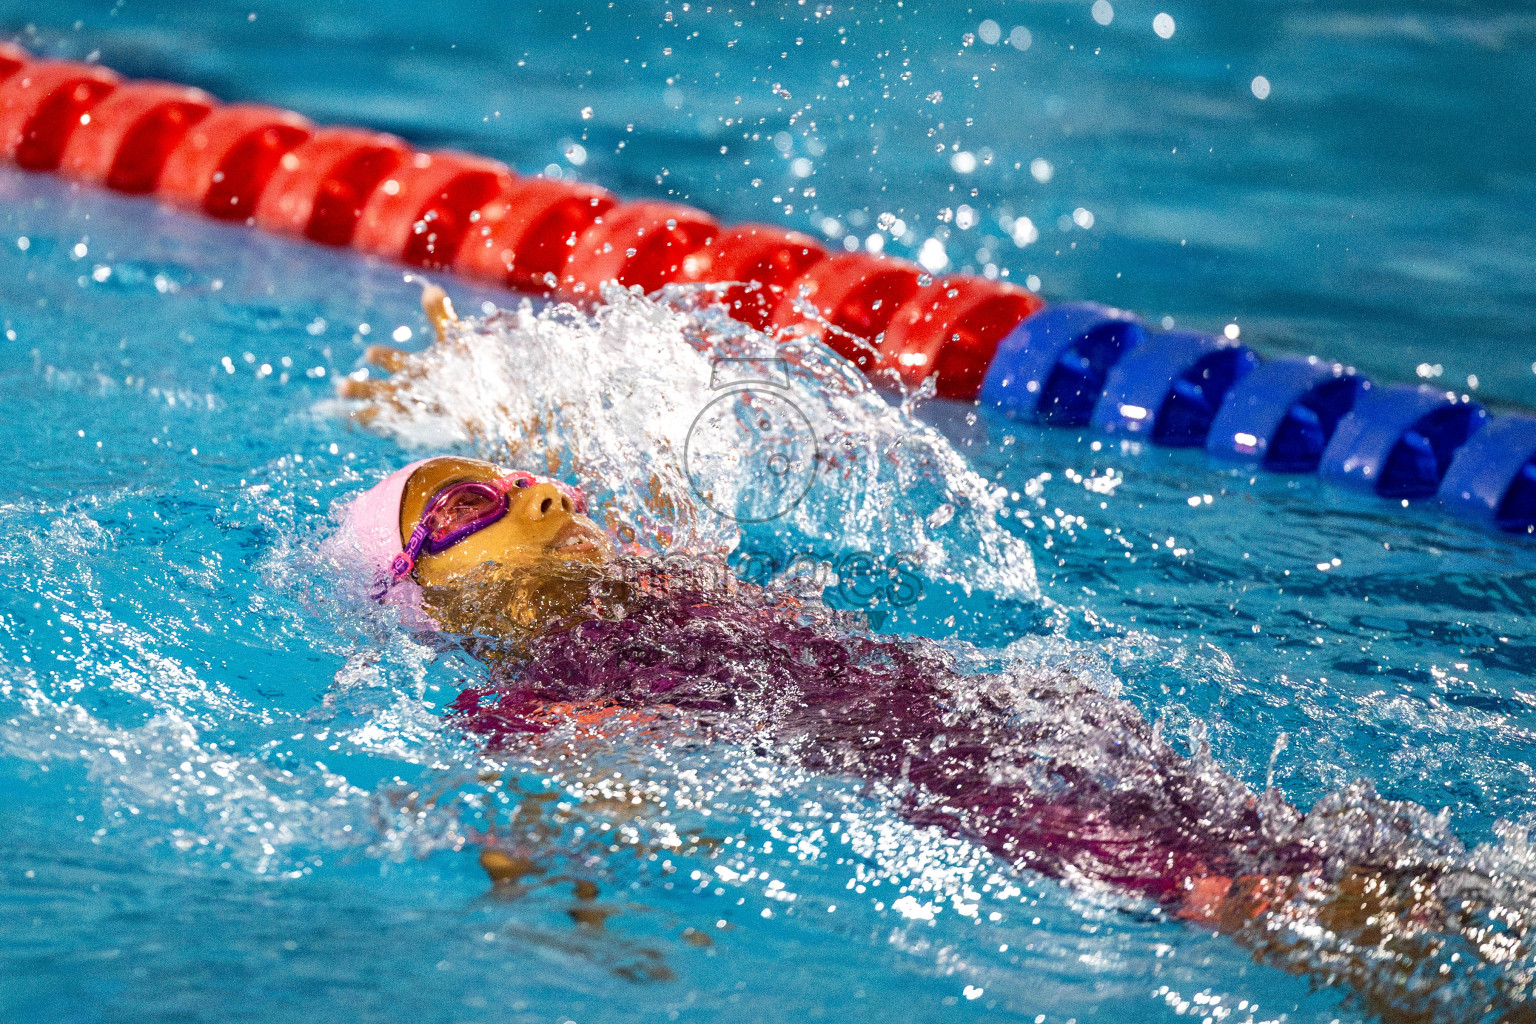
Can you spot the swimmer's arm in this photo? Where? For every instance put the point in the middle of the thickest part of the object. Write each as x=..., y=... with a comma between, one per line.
x=406, y=367
x=394, y=393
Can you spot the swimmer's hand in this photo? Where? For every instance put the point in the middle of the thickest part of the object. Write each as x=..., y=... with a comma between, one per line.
x=405, y=366
x=526, y=444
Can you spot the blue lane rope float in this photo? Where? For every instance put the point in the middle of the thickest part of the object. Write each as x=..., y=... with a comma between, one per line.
x=1072, y=365
x=1398, y=441
x=1492, y=479
x=1284, y=413
x=1170, y=388
x=1052, y=367
x=1289, y=415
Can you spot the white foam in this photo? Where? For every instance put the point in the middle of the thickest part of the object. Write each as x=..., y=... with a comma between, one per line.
x=613, y=397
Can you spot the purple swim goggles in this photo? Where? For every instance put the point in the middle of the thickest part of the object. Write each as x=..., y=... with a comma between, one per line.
x=464, y=508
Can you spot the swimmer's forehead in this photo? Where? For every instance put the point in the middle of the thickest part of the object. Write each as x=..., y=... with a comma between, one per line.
x=450, y=469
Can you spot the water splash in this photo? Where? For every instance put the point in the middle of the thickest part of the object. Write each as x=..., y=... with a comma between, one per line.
x=612, y=400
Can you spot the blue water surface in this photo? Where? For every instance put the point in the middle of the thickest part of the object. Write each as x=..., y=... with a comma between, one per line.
x=217, y=783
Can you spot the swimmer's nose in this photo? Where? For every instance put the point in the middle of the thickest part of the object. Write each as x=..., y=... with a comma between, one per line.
x=542, y=500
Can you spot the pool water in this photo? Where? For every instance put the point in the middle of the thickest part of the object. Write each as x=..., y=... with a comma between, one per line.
x=228, y=791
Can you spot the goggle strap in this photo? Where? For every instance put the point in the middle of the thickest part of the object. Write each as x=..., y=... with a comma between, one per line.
x=405, y=563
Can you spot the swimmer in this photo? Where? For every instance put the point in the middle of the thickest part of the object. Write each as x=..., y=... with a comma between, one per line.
x=1045, y=772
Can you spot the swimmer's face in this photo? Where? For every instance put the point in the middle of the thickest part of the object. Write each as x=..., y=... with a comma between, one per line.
x=540, y=527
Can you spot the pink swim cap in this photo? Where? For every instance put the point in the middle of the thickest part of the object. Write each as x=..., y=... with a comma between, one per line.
x=375, y=516
x=370, y=539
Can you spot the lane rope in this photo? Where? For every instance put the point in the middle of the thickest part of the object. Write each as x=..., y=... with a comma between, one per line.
x=1074, y=365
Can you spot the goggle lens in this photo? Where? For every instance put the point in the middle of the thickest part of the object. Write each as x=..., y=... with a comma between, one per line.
x=464, y=505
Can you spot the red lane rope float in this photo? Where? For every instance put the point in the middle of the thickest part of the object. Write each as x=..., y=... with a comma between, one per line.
x=641, y=244
x=42, y=104
x=130, y=133
x=343, y=186
x=857, y=294
x=525, y=237
x=223, y=163
x=766, y=259
x=421, y=211
x=952, y=328
x=12, y=58
x=319, y=188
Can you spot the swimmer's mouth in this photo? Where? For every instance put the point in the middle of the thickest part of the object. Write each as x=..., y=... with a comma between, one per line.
x=577, y=538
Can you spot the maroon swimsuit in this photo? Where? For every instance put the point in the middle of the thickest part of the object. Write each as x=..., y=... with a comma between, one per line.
x=1046, y=772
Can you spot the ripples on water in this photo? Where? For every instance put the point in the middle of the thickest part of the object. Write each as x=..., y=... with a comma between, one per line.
x=228, y=790
x=203, y=729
